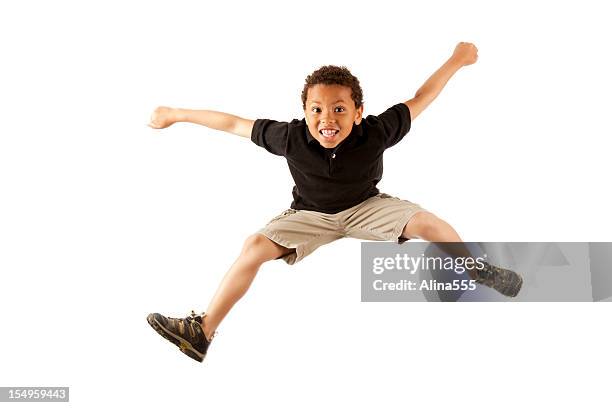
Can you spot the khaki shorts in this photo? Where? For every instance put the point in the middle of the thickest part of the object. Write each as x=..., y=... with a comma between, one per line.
x=379, y=218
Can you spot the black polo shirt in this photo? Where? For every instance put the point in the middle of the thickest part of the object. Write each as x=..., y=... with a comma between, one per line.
x=332, y=180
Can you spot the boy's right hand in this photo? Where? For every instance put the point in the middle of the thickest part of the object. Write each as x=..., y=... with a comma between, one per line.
x=163, y=117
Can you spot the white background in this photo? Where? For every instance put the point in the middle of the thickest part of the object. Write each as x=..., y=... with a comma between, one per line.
x=104, y=220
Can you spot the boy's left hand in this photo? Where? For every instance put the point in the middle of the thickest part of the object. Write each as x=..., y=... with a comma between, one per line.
x=465, y=53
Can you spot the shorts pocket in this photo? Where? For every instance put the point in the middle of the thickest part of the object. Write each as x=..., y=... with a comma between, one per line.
x=384, y=195
x=284, y=214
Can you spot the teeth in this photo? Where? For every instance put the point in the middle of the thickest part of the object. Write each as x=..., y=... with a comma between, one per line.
x=328, y=132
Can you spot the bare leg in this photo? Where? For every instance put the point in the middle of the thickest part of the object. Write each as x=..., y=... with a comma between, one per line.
x=427, y=226
x=257, y=249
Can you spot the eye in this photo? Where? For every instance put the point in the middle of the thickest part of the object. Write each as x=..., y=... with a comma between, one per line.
x=316, y=110
x=340, y=109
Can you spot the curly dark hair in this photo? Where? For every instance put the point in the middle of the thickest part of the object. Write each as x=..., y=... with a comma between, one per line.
x=334, y=75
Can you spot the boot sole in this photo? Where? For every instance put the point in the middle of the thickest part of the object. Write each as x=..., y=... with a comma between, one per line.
x=515, y=289
x=183, y=345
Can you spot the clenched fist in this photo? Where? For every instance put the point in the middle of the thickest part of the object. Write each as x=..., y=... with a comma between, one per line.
x=162, y=117
x=465, y=53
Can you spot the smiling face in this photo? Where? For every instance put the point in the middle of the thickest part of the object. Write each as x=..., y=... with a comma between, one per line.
x=330, y=113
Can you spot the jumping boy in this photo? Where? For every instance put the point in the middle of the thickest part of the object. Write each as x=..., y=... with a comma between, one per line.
x=335, y=158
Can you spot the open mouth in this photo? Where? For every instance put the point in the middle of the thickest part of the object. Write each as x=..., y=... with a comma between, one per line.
x=328, y=132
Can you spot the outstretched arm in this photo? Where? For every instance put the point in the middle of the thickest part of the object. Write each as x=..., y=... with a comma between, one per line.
x=464, y=54
x=163, y=117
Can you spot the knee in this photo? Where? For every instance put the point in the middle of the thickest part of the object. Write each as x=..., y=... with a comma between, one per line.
x=253, y=244
x=422, y=225
x=259, y=249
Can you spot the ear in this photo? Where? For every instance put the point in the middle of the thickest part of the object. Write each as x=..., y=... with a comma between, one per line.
x=359, y=115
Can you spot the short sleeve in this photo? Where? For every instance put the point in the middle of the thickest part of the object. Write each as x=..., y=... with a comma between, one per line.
x=396, y=123
x=271, y=135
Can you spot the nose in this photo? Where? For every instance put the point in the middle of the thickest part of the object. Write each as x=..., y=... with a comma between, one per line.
x=328, y=118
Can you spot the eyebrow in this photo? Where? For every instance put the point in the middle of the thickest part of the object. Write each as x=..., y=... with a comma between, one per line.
x=339, y=100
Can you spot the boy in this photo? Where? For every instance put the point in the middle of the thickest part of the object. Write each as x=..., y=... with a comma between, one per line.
x=335, y=158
